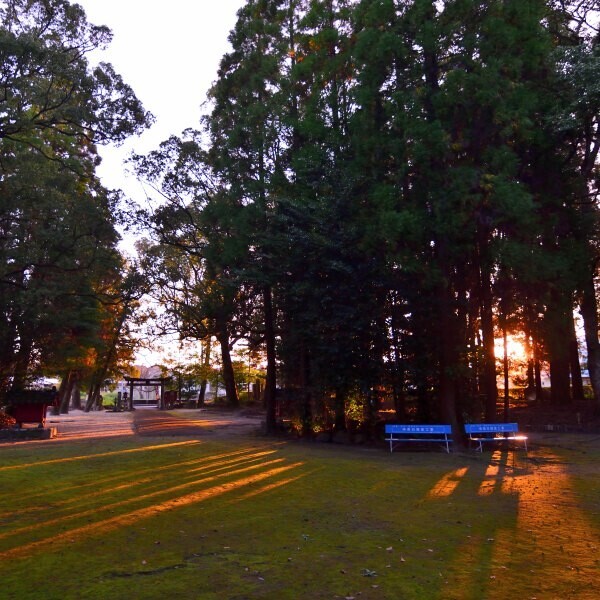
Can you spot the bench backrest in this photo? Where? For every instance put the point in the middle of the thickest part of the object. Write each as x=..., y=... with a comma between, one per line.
x=471, y=428
x=418, y=429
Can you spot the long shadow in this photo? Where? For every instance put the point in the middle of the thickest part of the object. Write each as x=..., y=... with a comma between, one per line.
x=246, y=472
x=485, y=487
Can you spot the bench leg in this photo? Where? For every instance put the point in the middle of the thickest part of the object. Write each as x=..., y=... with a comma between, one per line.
x=479, y=447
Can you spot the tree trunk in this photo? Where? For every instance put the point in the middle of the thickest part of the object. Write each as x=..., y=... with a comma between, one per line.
x=506, y=370
x=396, y=364
x=22, y=362
x=306, y=392
x=228, y=374
x=399, y=396
x=340, y=410
x=202, y=393
x=530, y=394
x=537, y=370
x=76, y=395
x=271, y=380
x=490, y=387
x=449, y=362
x=589, y=312
x=65, y=399
x=557, y=334
x=206, y=365
x=534, y=375
x=60, y=394
x=560, y=390
x=110, y=354
x=93, y=393
x=576, y=379
x=90, y=394
x=98, y=400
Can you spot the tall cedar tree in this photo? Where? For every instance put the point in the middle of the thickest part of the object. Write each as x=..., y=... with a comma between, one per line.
x=246, y=131
x=400, y=184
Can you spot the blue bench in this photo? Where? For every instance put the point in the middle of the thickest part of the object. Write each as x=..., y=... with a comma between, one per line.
x=418, y=433
x=480, y=433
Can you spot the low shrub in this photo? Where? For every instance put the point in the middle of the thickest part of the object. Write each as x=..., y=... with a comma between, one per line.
x=6, y=421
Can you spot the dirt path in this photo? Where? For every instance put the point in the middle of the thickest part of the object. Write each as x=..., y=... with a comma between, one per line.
x=554, y=532
x=148, y=422
x=80, y=425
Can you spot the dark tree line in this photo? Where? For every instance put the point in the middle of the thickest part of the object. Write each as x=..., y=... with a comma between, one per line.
x=381, y=189
x=65, y=290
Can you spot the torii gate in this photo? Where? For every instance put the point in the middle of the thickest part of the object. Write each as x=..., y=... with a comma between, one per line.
x=148, y=381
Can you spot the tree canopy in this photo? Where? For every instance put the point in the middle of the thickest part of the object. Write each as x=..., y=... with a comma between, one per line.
x=393, y=186
x=61, y=273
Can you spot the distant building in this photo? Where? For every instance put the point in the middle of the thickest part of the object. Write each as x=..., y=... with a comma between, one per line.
x=585, y=377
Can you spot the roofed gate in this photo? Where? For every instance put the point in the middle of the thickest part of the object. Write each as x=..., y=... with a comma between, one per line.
x=133, y=382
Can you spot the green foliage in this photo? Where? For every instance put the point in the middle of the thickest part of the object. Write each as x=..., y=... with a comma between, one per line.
x=384, y=188
x=50, y=91
x=59, y=265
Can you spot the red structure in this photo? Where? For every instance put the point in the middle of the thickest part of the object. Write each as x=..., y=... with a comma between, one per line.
x=29, y=406
x=29, y=413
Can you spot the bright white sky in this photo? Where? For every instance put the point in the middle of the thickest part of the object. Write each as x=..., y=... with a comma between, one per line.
x=169, y=53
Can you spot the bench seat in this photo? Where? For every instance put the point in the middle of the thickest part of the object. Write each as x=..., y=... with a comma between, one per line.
x=480, y=433
x=397, y=434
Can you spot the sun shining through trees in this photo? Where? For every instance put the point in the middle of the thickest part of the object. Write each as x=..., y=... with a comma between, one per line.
x=515, y=348
x=386, y=210
x=367, y=231
x=512, y=361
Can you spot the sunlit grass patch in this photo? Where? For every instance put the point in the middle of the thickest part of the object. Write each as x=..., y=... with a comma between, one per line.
x=253, y=519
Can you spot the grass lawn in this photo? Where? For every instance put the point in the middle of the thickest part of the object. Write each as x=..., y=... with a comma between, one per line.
x=246, y=518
